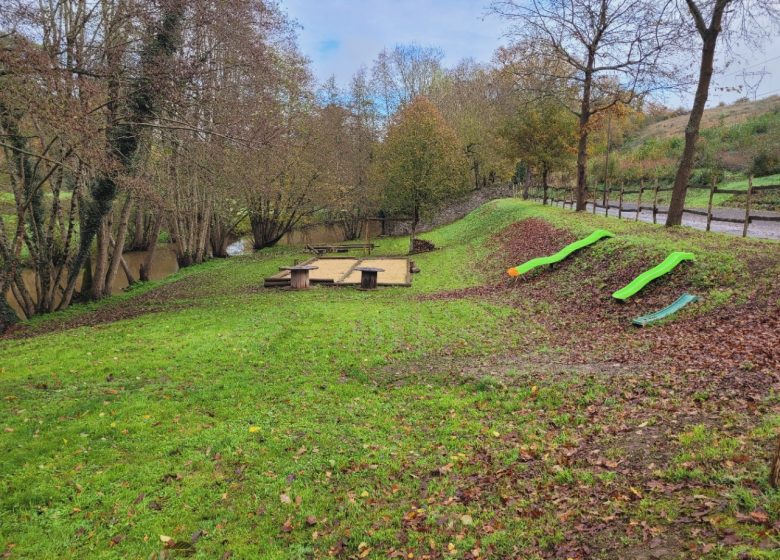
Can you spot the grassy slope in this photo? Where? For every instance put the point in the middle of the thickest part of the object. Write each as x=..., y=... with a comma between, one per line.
x=274, y=422
x=731, y=137
x=716, y=116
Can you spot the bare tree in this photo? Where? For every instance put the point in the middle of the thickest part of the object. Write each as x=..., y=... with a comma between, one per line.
x=404, y=73
x=611, y=51
x=709, y=20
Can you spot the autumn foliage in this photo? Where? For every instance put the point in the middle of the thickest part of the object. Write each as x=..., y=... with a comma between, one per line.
x=420, y=163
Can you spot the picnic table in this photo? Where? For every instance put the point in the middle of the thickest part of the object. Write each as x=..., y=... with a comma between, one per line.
x=368, y=277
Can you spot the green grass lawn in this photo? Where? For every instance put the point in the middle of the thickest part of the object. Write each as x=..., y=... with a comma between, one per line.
x=279, y=424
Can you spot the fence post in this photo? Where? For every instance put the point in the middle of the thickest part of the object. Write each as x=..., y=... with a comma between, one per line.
x=607, y=192
x=620, y=200
x=595, y=196
x=639, y=200
x=747, y=206
x=655, y=202
x=709, y=204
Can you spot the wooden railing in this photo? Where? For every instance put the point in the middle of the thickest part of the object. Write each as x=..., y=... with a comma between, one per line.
x=602, y=198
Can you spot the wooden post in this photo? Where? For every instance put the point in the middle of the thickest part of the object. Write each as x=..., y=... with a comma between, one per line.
x=774, y=467
x=747, y=207
x=367, y=224
x=655, y=202
x=639, y=200
x=595, y=196
x=709, y=204
x=620, y=200
x=607, y=194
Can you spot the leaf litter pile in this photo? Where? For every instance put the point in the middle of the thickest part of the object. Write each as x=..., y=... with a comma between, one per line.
x=652, y=443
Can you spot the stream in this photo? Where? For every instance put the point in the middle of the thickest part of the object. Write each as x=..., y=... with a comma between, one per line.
x=165, y=263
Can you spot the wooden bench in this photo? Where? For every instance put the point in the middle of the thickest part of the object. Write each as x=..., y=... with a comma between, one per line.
x=338, y=248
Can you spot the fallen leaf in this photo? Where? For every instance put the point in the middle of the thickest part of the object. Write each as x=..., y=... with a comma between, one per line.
x=759, y=516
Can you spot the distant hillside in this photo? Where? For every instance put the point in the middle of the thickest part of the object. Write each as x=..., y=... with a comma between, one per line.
x=727, y=115
x=736, y=141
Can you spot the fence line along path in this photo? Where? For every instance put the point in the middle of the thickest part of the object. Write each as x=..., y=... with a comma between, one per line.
x=747, y=222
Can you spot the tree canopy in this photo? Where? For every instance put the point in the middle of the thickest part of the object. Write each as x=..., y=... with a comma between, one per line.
x=421, y=162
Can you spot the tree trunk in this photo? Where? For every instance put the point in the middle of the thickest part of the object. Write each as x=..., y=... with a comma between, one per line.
x=139, y=230
x=8, y=316
x=101, y=260
x=203, y=234
x=119, y=244
x=415, y=221
x=680, y=188
x=774, y=469
x=582, y=146
x=219, y=238
x=146, y=267
x=526, y=183
x=128, y=273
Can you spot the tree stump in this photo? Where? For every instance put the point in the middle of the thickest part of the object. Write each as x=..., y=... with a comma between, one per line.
x=774, y=468
x=368, y=277
x=299, y=275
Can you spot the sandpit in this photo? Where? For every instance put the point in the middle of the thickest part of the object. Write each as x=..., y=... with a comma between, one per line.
x=341, y=271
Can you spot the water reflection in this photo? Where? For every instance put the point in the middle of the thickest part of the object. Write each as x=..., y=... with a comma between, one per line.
x=163, y=265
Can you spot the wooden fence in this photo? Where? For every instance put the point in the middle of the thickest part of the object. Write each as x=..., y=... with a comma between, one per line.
x=603, y=198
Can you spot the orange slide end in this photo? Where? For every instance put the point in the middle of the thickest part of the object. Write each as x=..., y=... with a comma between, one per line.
x=512, y=272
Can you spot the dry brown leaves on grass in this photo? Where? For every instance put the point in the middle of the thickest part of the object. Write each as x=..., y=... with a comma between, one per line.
x=717, y=368
x=160, y=299
x=590, y=325
x=622, y=498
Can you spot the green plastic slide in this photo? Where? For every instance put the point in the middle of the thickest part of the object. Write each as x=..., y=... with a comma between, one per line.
x=560, y=255
x=681, y=302
x=648, y=276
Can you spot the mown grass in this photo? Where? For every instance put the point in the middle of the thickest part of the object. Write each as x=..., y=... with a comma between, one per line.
x=280, y=424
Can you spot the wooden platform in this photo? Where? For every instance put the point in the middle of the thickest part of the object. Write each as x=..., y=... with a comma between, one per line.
x=340, y=271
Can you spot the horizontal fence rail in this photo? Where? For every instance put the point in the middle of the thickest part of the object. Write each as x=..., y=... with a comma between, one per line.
x=603, y=198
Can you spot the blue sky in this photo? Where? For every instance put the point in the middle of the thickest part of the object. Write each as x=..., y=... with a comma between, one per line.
x=339, y=36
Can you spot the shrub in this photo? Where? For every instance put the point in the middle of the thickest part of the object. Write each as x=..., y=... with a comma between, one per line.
x=703, y=177
x=765, y=163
